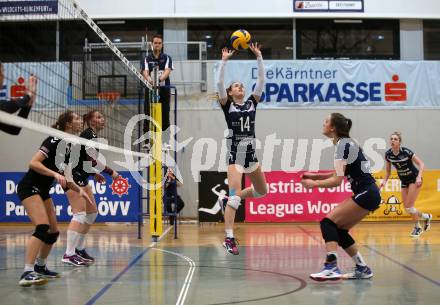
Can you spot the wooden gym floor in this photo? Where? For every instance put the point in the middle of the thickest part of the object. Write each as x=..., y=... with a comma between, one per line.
x=272, y=268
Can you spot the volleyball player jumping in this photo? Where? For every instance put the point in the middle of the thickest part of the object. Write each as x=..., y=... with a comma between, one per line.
x=240, y=117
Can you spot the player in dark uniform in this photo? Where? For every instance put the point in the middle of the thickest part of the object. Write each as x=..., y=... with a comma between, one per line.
x=351, y=163
x=240, y=117
x=165, y=65
x=22, y=104
x=47, y=165
x=403, y=160
x=84, y=212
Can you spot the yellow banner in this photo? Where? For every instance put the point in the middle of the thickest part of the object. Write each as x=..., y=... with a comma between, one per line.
x=392, y=208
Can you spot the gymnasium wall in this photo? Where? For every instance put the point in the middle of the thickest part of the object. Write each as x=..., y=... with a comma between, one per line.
x=250, y=8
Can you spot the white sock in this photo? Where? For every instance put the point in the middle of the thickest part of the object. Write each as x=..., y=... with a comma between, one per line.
x=425, y=216
x=40, y=261
x=28, y=267
x=417, y=224
x=229, y=233
x=72, y=239
x=81, y=241
x=358, y=259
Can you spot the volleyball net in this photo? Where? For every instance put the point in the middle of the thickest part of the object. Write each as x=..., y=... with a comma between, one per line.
x=96, y=76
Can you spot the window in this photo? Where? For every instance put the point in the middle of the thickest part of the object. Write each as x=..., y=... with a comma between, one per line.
x=347, y=39
x=74, y=33
x=27, y=41
x=275, y=35
x=431, y=39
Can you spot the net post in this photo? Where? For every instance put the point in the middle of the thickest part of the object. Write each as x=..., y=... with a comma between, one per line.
x=156, y=175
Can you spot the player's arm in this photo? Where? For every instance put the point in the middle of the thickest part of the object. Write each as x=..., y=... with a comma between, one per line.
x=146, y=72
x=258, y=90
x=317, y=176
x=334, y=180
x=223, y=95
x=421, y=167
x=36, y=164
x=387, y=173
x=167, y=71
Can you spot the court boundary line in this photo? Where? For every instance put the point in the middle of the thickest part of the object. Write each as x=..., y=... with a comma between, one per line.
x=387, y=257
x=133, y=262
x=187, y=282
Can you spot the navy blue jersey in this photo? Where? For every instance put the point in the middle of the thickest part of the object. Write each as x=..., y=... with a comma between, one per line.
x=357, y=168
x=406, y=169
x=241, y=124
x=86, y=154
x=55, y=160
x=164, y=61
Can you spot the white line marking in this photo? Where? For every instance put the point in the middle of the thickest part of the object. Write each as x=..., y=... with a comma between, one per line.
x=188, y=278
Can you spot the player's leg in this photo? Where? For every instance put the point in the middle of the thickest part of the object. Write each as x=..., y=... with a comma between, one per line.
x=35, y=210
x=234, y=181
x=77, y=227
x=259, y=186
x=40, y=263
x=91, y=214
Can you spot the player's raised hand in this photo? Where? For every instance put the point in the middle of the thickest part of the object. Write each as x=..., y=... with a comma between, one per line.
x=255, y=48
x=226, y=53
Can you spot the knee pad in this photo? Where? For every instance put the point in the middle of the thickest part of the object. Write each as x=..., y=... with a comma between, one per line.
x=255, y=194
x=345, y=239
x=42, y=232
x=91, y=217
x=329, y=230
x=80, y=217
x=411, y=211
x=52, y=238
x=234, y=202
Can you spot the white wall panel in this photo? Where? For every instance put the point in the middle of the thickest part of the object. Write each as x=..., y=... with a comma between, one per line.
x=250, y=8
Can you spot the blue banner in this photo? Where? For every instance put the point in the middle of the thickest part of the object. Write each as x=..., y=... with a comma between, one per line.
x=28, y=7
x=116, y=202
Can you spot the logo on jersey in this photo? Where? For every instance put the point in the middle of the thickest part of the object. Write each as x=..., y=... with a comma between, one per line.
x=120, y=186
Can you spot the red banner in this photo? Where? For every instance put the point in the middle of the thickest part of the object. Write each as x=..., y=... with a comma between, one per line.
x=288, y=201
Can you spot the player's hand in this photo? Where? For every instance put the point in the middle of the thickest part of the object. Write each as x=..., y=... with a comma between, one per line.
x=226, y=53
x=308, y=183
x=32, y=88
x=419, y=181
x=61, y=180
x=99, y=178
x=115, y=175
x=256, y=49
x=308, y=175
x=382, y=184
x=85, y=196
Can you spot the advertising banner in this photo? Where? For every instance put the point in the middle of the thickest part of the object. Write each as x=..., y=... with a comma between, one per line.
x=28, y=7
x=312, y=6
x=212, y=187
x=288, y=201
x=315, y=83
x=392, y=207
x=117, y=201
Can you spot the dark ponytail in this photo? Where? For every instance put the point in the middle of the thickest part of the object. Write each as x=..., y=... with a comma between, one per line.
x=341, y=124
x=88, y=117
x=63, y=120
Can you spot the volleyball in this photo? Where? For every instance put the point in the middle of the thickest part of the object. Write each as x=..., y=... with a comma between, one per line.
x=240, y=39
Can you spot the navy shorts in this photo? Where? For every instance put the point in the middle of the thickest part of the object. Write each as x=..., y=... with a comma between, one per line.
x=245, y=159
x=81, y=179
x=406, y=182
x=25, y=190
x=368, y=198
